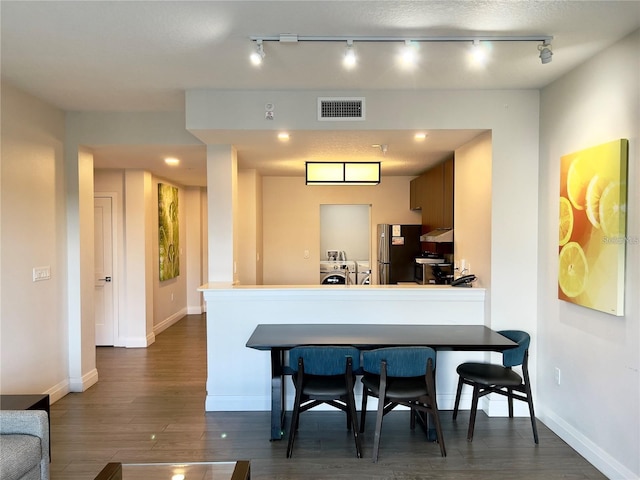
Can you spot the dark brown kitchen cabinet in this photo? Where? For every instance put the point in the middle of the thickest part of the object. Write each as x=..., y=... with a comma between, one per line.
x=432, y=192
x=447, y=194
x=418, y=190
x=432, y=210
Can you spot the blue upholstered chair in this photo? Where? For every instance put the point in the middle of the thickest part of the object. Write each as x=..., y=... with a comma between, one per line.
x=486, y=378
x=401, y=376
x=324, y=375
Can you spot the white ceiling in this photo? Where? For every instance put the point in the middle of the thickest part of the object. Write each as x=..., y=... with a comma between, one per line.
x=143, y=56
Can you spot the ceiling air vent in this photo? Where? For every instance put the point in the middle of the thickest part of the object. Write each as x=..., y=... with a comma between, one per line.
x=340, y=108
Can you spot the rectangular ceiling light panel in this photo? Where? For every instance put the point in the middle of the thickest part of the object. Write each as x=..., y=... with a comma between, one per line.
x=342, y=173
x=362, y=172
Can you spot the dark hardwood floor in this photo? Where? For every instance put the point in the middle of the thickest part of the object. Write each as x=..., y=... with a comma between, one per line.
x=148, y=406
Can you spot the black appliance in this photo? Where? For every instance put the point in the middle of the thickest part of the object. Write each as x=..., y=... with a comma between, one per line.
x=398, y=246
x=442, y=273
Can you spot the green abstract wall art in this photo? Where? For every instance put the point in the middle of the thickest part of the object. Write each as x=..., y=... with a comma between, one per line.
x=168, y=232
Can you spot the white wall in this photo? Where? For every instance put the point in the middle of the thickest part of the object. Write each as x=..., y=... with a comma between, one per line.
x=472, y=210
x=596, y=407
x=195, y=247
x=347, y=228
x=250, y=251
x=33, y=318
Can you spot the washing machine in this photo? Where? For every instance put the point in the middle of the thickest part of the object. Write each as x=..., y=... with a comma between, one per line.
x=337, y=272
x=363, y=276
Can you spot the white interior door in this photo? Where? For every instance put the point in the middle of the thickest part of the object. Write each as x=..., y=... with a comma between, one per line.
x=103, y=238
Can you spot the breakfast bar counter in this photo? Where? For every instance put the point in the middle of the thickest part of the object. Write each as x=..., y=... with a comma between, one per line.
x=239, y=378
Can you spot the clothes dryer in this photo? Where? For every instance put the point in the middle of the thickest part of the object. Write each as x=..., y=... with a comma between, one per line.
x=363, y=276
x=337, y=272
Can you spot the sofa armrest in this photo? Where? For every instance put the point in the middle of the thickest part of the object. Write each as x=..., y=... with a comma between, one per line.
x=29, y=422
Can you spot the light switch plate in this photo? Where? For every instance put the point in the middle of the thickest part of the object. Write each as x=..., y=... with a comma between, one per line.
x=41, y=273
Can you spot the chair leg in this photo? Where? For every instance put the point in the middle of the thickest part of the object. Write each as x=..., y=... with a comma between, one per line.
x=432, y=405
x=474, y=409
x=510, y=401
x=363, y=411
x=436, y=419
x=376, y=437
x=458, y=393
x=351, y=406
x=294, y=421
x=531, y=412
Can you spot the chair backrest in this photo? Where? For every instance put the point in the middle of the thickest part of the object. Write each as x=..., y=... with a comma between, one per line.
x=515, y=356
x=321, y=360
x=401, y=361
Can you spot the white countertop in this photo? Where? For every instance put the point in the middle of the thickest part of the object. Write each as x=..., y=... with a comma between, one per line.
x=408, y=286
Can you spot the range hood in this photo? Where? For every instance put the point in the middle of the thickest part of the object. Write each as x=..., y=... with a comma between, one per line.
x=439, y=235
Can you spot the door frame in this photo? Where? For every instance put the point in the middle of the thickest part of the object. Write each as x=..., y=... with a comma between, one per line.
x=113, y=196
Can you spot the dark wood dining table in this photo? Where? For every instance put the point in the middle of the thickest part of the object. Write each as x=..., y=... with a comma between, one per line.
x=278, y=338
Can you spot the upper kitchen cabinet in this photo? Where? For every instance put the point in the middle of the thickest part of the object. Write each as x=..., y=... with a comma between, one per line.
x=432, y=192
x=418, y=190
x=447, y=194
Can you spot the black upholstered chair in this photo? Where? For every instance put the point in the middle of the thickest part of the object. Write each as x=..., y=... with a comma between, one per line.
x=324, y=375
x=401, y=376
x=486, y=378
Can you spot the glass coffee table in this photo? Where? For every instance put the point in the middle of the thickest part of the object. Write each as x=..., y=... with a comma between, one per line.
x=239, y=470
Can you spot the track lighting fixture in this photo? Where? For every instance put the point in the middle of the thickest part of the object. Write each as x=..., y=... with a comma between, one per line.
x=349, y=60
x=478, y=53
x=409, y=54
x=545, y=52
x=258, y=54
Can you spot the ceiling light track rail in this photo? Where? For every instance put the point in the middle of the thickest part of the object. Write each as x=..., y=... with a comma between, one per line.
x=409, y=55
x=292, y=38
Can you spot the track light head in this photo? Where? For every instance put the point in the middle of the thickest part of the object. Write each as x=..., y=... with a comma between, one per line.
x=349, y=60
x=545, y=52
x=409, y=53
x=258, y=54
x=478, y=54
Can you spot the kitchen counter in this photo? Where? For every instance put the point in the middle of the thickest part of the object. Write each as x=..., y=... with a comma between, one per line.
x=239, y=377
x=373, y=289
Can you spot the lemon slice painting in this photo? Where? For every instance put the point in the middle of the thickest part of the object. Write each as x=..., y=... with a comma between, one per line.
x=592, y=227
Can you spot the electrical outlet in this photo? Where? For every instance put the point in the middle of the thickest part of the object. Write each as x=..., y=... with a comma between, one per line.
x=557, y=376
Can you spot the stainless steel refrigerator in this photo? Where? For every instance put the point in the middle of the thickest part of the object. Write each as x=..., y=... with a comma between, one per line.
x=398, y=246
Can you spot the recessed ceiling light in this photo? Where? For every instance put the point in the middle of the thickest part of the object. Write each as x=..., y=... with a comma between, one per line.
x=420, y=136
x=283, y=136
x=172, y=161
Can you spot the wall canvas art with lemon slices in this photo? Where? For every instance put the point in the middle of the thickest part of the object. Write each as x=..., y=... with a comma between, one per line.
x=592, y=227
